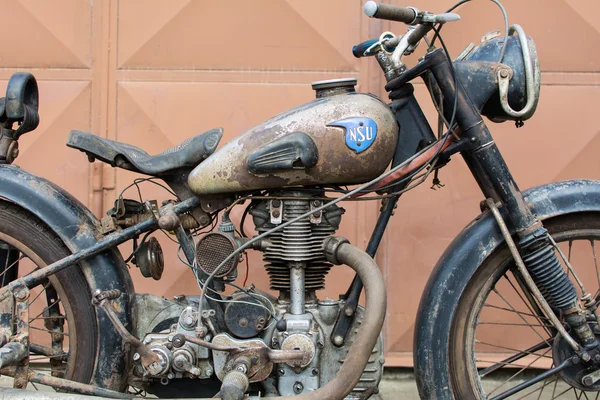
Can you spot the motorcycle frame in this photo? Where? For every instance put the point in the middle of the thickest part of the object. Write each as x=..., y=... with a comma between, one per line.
x=476, y=145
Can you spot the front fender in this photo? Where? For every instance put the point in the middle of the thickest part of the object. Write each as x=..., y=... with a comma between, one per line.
x=458, y=264
x=78, y=228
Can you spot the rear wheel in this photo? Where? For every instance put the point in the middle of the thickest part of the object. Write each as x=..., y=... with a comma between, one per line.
x=499, y=337
x=62, y=322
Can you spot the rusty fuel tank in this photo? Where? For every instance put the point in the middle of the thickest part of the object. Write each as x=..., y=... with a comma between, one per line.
x=341, y=137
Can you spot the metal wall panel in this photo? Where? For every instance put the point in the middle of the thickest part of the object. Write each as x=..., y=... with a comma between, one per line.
x=153, y=73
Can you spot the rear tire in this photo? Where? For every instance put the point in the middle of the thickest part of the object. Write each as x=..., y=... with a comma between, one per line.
x=39, y=247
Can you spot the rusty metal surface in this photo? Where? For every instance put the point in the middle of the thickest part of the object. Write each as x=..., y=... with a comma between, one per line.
x=75, y=387
x=226, y=170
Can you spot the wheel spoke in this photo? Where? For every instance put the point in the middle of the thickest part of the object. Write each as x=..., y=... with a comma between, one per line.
x=513, y=358
x=529, y=304
x=525, y=352
x=47, y=330
x=520, y=316
x=540, y=390
x=46, y=309
x=7, y=268
x=46, y=286
x=516, y=312
x=513, y=324
x=520, y=371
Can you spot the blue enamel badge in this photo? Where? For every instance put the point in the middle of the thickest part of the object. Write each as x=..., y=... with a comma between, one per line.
x=360, y=132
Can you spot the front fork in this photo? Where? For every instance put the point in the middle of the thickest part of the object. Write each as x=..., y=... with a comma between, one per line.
x=497, y=183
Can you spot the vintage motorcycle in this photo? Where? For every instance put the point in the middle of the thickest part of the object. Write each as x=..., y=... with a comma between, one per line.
x=70, y=318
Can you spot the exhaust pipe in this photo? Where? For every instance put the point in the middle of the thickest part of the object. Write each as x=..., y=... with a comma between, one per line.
x=338, y=251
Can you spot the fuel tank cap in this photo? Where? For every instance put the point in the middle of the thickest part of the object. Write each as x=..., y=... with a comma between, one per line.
x=333, y=87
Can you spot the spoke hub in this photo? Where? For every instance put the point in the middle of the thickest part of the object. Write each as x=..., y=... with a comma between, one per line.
x=581, y=374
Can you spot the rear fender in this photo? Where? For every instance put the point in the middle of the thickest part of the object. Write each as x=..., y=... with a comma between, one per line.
x=458, y=264
x=78, y=228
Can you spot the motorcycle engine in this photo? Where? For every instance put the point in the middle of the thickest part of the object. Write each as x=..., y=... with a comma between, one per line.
x=256, y=321
x=297, y=268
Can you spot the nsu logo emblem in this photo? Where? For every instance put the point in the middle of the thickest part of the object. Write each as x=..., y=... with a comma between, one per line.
x=360, y=132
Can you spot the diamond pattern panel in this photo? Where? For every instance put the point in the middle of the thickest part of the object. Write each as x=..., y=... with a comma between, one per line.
x=46, y=34
x=240, y=35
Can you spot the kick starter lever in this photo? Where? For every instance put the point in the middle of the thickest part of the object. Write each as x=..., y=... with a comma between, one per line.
x=150, y=360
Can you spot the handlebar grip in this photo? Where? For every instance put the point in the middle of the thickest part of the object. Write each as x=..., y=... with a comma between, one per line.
x=419, y=33
x=393, y=13
x=358, y=50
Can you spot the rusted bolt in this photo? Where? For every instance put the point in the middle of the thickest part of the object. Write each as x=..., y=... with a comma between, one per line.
x=19, y=383
x=338, y=340
x=316, y=203
x=298, y=387
x=178, y=340
x=503, y=73
x=276, y=203
x=317, y=214
x=57, y=337
x=243, y=322
x=21, y=294
x=188, y=321
x=276, y=214
x=587, y=381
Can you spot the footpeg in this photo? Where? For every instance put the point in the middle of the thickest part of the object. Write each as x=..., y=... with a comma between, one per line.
x=235, y=384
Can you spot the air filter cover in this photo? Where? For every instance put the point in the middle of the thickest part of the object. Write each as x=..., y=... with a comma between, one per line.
x=212, y=249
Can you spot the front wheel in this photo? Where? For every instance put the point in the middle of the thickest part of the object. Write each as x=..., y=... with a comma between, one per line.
x=500, y=339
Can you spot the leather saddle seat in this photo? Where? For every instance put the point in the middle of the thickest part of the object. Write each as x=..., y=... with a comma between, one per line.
x=188, y=154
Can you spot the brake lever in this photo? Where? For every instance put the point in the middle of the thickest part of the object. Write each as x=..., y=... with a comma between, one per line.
x=430, y=18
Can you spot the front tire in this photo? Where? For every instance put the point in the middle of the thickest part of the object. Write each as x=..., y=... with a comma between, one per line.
x=498, y=332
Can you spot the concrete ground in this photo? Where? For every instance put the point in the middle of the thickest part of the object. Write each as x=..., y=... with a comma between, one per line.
x=397, y=384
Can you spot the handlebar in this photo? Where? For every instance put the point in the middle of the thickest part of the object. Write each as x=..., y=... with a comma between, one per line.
x=408, y=15
x=359, y=49
x=419, y=33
